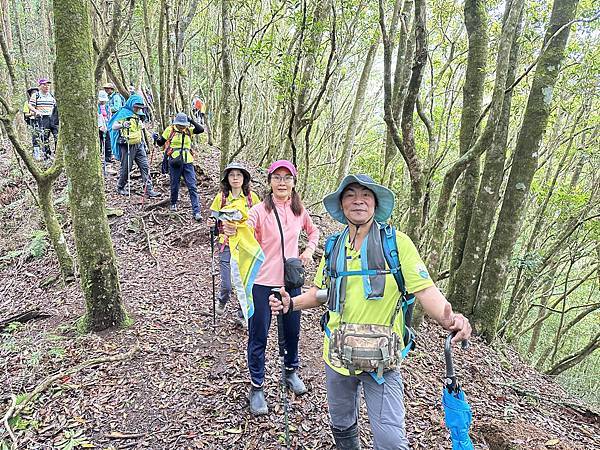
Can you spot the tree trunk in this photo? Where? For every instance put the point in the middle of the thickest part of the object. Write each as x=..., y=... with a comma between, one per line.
x=78, y=138
x=483, y=142
x=356, y=112
x=523, y=168
x=404, y=52
x=575, y=358
x=162, y=44
x=464, y=280
x=43, y=179
x=409, y=148
x=225, y=107
x=311, y=46
x=476, y=22
x=55, y=232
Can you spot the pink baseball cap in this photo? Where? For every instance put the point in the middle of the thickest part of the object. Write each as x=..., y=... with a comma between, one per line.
x=44, y=81
x=285, y=164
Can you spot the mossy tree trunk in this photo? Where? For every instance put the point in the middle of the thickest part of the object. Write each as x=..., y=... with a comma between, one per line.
x=481, y=144
x=523, y=168
x=79, y=141
x=470, y=249
x=225, y=106
x=476, y=23
x=44, y=179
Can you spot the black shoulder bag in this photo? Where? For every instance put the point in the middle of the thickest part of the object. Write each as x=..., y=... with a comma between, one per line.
x=293, y=270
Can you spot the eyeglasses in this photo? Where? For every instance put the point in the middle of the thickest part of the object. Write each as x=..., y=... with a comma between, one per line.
x=287, y=179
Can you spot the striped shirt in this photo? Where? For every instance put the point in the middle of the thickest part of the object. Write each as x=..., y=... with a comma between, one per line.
x=44, y=103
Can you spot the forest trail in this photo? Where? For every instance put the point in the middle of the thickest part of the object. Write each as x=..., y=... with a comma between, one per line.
x=186, y=386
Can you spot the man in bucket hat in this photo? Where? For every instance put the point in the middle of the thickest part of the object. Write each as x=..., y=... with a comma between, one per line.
x=363, y=295
x=177, y=139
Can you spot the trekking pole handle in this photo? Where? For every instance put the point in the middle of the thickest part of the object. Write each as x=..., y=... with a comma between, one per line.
x=450, y=374
x=280, y=326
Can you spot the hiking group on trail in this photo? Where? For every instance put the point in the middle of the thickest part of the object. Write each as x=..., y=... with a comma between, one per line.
x=367, y=280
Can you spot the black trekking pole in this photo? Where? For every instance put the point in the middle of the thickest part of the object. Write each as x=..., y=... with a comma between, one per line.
x=282, y=353
x=213, y=274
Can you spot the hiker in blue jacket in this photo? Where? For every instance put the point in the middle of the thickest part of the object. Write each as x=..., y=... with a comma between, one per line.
x=360, y=281
x=127, y=144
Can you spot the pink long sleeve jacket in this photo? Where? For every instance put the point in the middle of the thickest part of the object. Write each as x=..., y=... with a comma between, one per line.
x=266, y=232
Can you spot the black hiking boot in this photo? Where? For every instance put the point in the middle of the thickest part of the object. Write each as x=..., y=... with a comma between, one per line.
x=258, y=404
x=293, y=381
x=347, y=439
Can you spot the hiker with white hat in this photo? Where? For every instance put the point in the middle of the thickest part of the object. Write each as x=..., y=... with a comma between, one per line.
x=115, y=100
x=104, y=115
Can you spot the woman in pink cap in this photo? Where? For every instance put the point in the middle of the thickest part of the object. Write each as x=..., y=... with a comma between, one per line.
x=285, y=201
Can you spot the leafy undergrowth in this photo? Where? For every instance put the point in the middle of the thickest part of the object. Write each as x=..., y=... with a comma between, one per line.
x=186, y=385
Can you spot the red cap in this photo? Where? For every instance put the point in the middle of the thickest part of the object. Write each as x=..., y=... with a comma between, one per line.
x=283, y=163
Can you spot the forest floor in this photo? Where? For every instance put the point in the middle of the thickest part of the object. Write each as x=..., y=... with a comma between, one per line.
x=186, y=385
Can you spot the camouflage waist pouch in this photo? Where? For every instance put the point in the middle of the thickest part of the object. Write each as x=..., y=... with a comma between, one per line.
x=365, y=347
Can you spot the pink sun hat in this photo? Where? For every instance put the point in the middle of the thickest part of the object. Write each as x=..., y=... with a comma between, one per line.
x=285, y=164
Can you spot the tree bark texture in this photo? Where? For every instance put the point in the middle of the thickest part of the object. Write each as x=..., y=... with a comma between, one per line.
x=476, y=23
x=402, y=71
x=79, y=139
x=225, y=107
x=483, y=142
x=523, y=168
x=464, y=281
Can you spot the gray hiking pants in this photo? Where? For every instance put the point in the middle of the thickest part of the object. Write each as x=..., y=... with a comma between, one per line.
x=385, y=406
x=225, y=271
x=130, y=154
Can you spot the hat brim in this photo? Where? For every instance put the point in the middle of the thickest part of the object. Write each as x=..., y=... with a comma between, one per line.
x=385, y=200
x=245, y=173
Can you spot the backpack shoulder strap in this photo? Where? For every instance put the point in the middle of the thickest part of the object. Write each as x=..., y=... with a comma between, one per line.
x=406, y=301
x=390, y=251
x=223, y=199
x=329, y=245
x=249, y=199
x=168, y=141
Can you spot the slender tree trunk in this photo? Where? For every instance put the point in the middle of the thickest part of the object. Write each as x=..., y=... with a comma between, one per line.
x=55, y=232
x=476, y=22
x=523, y=168
x=409, y=147
x=404, y=52
x=225, y=107
x=43, y=179
x=575, y=358
x=311, y=44
x=78, y=137
x=149, y=54
x=356, y=112
x=162, y=45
